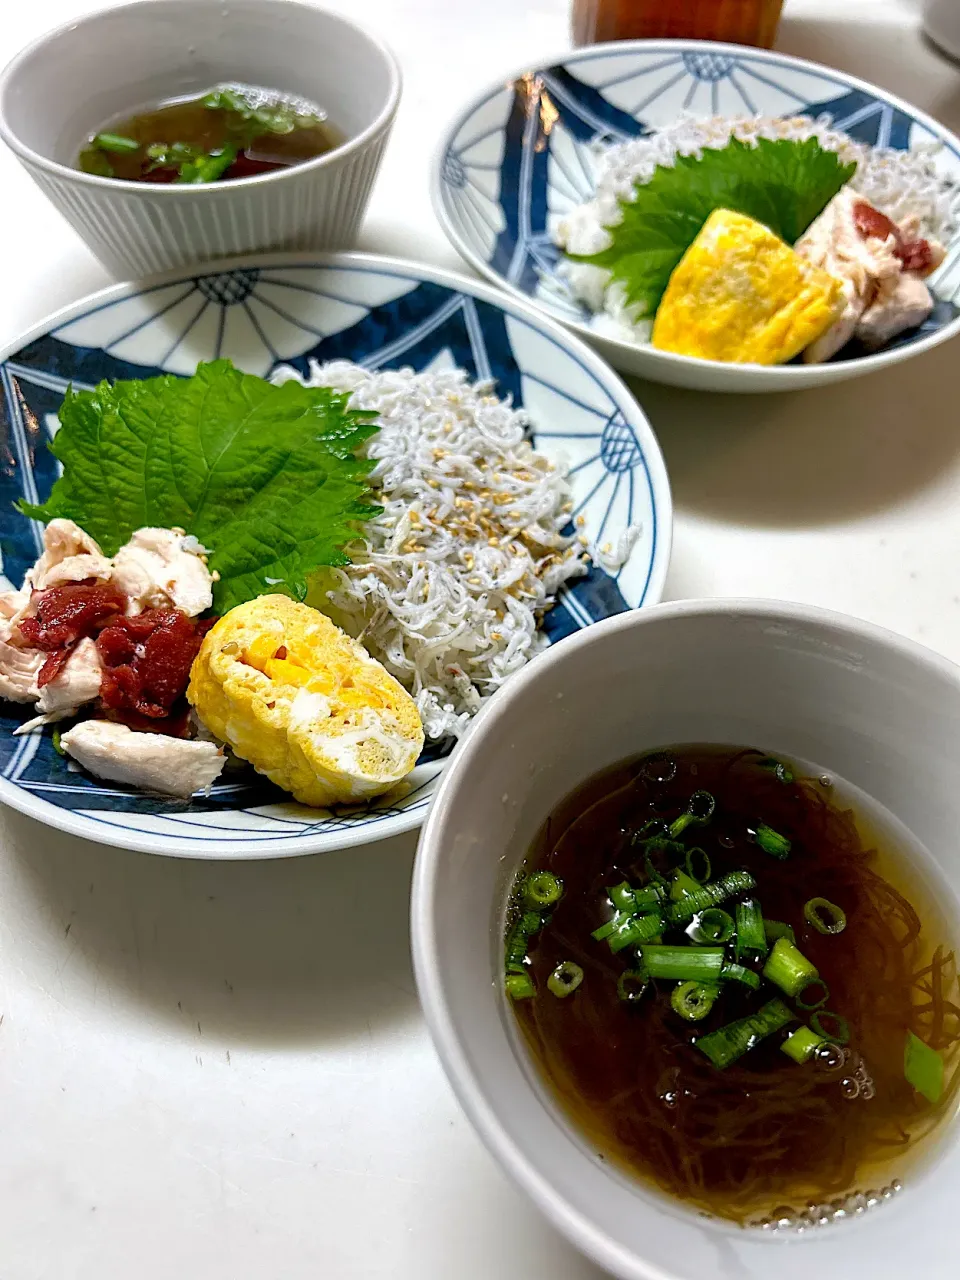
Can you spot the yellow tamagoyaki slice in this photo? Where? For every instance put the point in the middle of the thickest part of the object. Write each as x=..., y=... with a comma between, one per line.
x=741, y=294
x=304, y=703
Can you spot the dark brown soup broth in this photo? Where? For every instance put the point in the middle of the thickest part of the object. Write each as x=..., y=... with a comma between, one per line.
x=765, y=1131
x=262, y=131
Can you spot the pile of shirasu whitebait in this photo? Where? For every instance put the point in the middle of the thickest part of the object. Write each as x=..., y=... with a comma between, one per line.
x=452, y=579
x=898, y=183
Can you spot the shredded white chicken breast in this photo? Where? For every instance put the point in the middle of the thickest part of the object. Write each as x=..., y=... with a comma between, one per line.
x=151, y=761
x=156, y=569
x=69, y=555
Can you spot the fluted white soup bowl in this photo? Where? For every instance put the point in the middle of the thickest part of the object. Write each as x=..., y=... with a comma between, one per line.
x=66, y=86
x=871, y=708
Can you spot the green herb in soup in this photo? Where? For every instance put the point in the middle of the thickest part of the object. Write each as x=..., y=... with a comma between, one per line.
x=715, y=973
x=234, y=131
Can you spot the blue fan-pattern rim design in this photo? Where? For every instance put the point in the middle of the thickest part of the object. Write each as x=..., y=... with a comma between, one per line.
x=524, y=154
x=262, y=315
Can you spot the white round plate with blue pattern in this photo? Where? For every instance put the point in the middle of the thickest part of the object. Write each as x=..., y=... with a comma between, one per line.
x=523, y=155
x=261, y=312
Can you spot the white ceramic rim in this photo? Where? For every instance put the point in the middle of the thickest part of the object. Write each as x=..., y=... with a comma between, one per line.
x=173, y=191
x=324, y=842
x=424, y=906
x=774, y=377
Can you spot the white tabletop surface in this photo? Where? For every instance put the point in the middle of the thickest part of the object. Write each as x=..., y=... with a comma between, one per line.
x=204, y=1072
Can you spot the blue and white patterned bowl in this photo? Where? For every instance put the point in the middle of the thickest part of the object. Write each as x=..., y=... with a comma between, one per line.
x=261, y=312
x=522, y=156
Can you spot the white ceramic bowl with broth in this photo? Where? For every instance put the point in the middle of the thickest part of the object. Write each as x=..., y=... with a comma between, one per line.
x=875, y=710
x=74, y=80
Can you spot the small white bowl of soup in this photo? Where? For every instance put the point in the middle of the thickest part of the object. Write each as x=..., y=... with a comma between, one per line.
x=683, y=922
x=172, y=132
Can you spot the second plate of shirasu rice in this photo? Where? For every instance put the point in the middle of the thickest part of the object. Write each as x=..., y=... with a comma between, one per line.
x=899, y=183
x=452, y=580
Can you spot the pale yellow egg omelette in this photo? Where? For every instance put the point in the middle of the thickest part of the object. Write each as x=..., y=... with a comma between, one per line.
x=304, y=703
x=740, y=294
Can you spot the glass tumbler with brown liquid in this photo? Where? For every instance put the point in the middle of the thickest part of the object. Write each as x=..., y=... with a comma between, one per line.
x=737, y=21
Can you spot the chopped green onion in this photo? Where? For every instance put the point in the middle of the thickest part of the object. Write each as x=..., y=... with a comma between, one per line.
x=542, y=889
x=711, y=895
x=629, y=900
x=657, y=881
x=565, y=979
x=631, y=985
x=825, y=916
x=166, y=155
x=775, y=766
x=611, y=926
x=116, y=143
x=94, y=161
x=518, y=940
x=788, y=968
x=634, y=930
x=682, y=963
x=622, y=897
x=771, y=841
x=698, y=865
x=208, y=168
x=683, y=885
x=841, y=1032
x=663, y=844
x=658, y=767
x=774, y=929
x=55, y=739
x=735, y=882
x=923, y=1068
x=807, y=996
x=802, y=1044
x=516, y=949
x=280, y=117
x=731, y=1042
x=648, y=899
x=226, y=99
x=712, y=925
x=694, y=1000
x=519, y=986
x=700, y=809
x=652, y=826
x=751, y=938
x=737, y=973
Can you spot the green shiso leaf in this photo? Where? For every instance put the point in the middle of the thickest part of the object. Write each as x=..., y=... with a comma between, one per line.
x=265, y=476
x=784, y=184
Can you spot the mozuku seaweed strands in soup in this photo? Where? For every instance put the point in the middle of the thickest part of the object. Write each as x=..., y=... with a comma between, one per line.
x=724, y=990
